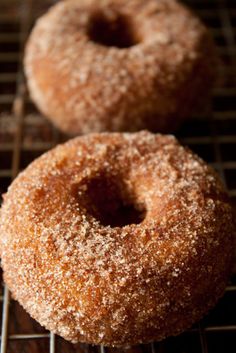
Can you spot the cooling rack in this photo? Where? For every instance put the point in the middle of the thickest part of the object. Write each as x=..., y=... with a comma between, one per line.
x=25, y=134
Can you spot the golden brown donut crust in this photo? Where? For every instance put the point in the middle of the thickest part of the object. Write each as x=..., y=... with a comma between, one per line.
x=122, y=285
x=83, y=86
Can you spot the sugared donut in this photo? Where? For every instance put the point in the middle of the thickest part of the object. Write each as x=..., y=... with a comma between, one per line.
x=118, y=65
x=117, y=238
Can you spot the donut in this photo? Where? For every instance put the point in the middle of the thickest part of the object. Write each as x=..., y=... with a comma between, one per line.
x=117, y=238
x=117, y=65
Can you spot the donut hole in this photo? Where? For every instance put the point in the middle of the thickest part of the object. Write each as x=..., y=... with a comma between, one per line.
x=111, y=29
x=110, y=202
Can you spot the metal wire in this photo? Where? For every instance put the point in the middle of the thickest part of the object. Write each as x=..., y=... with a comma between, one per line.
x=203, y=340
x=5, y=315
x=31, y=336
x=153, y=350
x=102, y=349
x=23, y=119
x=52, y=343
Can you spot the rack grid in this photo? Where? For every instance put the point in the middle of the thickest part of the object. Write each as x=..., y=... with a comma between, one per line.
x=25, y=134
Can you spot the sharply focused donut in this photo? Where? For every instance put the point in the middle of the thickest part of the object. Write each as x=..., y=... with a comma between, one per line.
x=118, y=65
x=117, y=238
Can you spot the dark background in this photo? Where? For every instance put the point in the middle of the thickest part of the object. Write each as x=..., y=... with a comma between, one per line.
x=24, y=135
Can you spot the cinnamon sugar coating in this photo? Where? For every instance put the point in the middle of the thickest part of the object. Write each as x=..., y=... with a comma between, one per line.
x=72, y=264
x=149, y=72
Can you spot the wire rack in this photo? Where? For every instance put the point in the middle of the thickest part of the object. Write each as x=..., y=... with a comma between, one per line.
x=25, y=134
